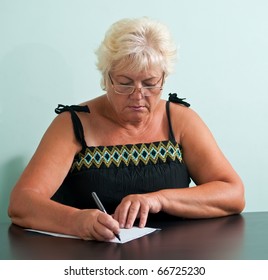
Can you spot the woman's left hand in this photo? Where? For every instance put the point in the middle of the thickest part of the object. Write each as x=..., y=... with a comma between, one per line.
x=136, y=206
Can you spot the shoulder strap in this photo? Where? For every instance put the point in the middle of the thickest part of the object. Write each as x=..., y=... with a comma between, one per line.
x=173, y=98
x=77, y=125
x=171, y=134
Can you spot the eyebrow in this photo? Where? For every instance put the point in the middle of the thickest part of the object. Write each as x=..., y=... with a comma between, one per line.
x=123, y=76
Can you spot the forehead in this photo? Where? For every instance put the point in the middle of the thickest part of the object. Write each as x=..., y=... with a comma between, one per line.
x=140, y=75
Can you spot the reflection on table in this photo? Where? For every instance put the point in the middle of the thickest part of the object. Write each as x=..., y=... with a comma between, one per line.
x=220, y=238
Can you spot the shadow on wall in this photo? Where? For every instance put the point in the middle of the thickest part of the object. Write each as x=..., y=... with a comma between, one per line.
x=34, y=78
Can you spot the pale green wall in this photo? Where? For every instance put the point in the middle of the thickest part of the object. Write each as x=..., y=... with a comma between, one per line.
x=47, y=57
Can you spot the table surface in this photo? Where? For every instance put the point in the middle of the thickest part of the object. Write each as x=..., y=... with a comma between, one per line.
x=242, y=237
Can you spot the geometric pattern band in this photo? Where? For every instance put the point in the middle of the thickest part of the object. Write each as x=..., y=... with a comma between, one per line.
x=126, y=154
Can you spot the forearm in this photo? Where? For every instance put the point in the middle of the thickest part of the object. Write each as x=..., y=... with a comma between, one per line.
x=31, y=210
x=214, y=199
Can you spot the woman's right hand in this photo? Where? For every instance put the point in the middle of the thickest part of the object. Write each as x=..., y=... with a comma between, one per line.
x=93, y=224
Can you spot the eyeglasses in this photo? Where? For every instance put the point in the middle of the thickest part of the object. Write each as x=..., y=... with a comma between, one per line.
x=145, y=91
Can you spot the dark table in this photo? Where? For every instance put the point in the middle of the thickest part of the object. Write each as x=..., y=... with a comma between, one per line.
x=242, y=237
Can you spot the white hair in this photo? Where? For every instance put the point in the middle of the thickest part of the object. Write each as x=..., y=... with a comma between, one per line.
x=136, y=44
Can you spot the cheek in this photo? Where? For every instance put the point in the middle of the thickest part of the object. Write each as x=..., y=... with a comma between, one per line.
x=115, y=101
x=154, y=103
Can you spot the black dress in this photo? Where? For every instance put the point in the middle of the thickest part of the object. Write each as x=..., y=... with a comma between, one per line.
x=116, y=171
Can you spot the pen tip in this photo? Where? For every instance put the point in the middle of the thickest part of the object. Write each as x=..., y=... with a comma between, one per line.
x=118, y=237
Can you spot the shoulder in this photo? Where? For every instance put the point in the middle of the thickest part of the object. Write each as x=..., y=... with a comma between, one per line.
x=184, y=119
x=61, y=129
x=67, y=112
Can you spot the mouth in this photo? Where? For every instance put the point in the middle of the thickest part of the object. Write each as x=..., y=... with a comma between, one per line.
x=137, y=107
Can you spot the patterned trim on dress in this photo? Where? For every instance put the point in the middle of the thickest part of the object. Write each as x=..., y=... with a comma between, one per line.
x=126, y=154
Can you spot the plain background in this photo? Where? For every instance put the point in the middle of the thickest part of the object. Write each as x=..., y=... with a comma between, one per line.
x=47, y=57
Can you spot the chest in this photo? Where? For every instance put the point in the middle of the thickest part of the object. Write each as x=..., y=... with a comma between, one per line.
x=106, y=133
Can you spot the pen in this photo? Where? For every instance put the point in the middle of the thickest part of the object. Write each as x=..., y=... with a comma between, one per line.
x=101, y=207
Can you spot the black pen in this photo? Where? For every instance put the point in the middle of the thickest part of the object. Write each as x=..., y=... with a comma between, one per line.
x=101, y=207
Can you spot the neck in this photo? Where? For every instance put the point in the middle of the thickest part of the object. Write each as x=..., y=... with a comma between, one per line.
x=140, y=127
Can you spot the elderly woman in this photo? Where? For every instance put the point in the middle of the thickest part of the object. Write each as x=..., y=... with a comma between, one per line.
x=137, y=151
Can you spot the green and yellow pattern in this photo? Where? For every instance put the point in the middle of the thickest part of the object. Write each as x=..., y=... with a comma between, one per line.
x=127, y=154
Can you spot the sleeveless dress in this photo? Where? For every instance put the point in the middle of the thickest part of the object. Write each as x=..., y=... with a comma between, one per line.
x=116, y=171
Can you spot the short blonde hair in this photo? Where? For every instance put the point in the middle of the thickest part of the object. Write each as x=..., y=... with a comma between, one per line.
x=136, y=44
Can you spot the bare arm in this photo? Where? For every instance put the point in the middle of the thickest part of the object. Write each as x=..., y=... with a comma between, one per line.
x=219, y=189
x=30, y=203
x=218, y=192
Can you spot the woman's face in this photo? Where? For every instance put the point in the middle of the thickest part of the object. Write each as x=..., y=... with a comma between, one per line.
x=137, y=106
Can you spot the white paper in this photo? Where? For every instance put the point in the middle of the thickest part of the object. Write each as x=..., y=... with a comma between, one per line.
x=53, y=233
x=126, y=235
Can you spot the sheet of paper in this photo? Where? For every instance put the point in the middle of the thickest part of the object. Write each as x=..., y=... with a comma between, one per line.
x=53, y=233
x=126, y=235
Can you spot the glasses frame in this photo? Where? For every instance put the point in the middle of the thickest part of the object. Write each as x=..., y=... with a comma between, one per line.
x=145, y=91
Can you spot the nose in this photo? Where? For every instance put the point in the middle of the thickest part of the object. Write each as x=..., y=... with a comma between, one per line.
x=138, y=93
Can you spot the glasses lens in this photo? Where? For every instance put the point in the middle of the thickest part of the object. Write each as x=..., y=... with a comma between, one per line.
x=153, y=90
x=124, y=89
x=146, y=91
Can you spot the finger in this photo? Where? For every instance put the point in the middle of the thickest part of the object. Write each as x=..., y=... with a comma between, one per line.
x=132, y=214
x=109, y=222
x=104, y=227
x=144, y=211
x=101, y=233
x=121, y=213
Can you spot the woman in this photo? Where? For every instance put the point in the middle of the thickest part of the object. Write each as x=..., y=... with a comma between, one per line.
x=134, y=149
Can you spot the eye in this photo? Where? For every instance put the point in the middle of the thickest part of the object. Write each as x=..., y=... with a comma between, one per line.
x=152, y=82
x=149, y=85
x=126, y=84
